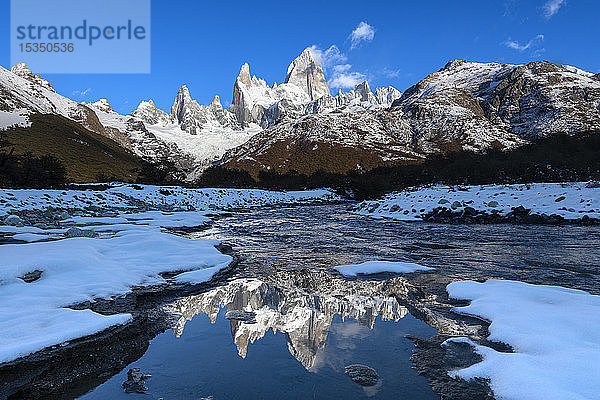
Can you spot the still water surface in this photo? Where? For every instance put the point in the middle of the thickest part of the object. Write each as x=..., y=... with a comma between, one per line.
x=208, y=355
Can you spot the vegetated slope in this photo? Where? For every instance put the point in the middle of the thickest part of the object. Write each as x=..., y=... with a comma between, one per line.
x=558, y=158
x=86, y=156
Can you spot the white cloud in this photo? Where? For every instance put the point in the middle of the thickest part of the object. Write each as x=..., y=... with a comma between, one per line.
x=512, y=44
x=342, y=68
x=339, y=72
x=552, y=6
x=363, y=33
x=329, y=57
x=82, y=93
x=390, y=73
x=345, y=79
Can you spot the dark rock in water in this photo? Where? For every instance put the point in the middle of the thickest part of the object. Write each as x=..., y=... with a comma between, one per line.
x=433, y=360
x=77, y=232
x=363, y=375
x=31, y=276
x=247, y=317
x=135, y=381
x=518, y=215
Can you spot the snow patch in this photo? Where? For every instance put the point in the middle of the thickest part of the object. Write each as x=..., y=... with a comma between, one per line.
x=376, y=267
x=554, y=331
x=569, y=200
x=13, y=119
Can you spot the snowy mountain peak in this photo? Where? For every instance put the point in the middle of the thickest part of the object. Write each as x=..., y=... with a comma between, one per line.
x=102, y=105
x=363, y=90
x=454, y=64
x=182, y=103
x=150, y=114
x=216, y=104
x=244, y=75
x=21, y=69
x=184, y=93
x=306, y=72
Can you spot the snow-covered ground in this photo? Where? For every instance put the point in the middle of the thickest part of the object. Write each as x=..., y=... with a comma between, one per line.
x=129, y=197
x=376, y=267
x=41, y=279
x=569, y=200
x=555, y=334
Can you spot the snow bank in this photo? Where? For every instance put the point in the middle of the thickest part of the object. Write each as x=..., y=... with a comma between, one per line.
x=554, y=331
x=34, y=315
x=128, y=197
x=376, y=267
x=569, y=200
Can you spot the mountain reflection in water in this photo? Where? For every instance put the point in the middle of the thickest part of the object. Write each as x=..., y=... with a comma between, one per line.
x=304, y=319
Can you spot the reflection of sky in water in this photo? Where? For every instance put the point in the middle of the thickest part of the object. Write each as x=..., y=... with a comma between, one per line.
x=204, y=361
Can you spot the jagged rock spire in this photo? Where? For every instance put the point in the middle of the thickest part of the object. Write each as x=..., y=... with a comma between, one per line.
x=182, y=101
x=306, y=72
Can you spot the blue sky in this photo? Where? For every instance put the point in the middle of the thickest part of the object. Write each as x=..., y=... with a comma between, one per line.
x=203, y=44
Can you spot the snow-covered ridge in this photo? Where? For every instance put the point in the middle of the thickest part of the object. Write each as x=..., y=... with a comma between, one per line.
x=465, y=106
x=572, y=201
x=553, y=331
x=23, y=93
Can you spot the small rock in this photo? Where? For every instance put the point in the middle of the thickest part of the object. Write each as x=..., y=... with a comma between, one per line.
x=456, y=205
x=469, y=212
x=135, y=381
x=31, y=276
x=77, y=232
x=363, y=375
x=62, y=215
x=561, y=198
x=443, y=201
x=13, y=220
x=247, y=317
x=493, y=204
x=520, y=211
